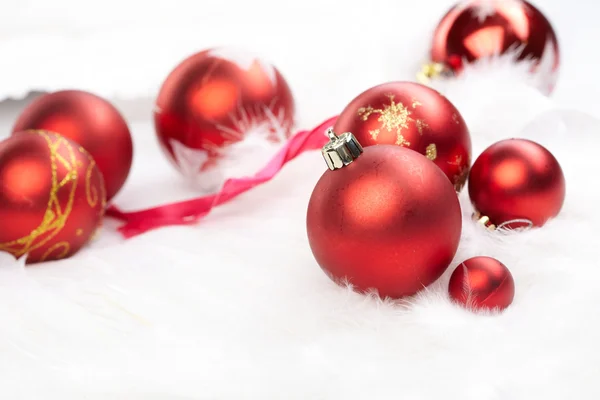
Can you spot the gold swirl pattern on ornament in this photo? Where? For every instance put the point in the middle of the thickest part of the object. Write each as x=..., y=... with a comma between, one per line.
x=91, y=192
x=63, y=246
x=431, y=152
x=393, y=117
x=56, y=214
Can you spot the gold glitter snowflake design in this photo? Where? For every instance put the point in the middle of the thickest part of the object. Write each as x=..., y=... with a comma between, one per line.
x=431, y=152
x=393, y=117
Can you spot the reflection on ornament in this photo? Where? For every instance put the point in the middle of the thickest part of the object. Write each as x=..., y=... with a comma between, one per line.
x=505, y=32
x=217, y=99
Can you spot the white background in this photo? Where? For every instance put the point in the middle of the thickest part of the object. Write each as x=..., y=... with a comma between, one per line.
x=236, y=307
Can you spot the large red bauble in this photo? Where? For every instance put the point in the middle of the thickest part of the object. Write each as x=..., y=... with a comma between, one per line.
x=413, y=116
x=479, y=29
x=389, y=221
x=516, y=183
x=52, y=196
x=482, y=283
x=217, y=98
x=90, y=121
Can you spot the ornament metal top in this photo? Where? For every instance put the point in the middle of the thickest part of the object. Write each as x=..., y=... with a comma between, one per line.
x=340, y=150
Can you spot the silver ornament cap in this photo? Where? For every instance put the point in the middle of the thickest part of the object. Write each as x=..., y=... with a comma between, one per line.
x=341, y=150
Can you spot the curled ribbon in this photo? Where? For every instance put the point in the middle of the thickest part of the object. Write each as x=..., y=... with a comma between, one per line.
x=191, y=211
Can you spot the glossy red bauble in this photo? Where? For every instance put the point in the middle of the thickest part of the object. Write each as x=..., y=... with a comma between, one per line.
x=52, y=196
x=388, y=221
x=215, y=99
x=412, y=116
x=90, y=121
x=517, y=183
x=479, y=29
x=482, y=283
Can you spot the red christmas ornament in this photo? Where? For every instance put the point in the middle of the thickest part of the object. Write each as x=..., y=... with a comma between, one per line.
x=216, y=99
x=90, y=121
x=52, y=198
x=479, y=29
x=386, y=219
x=482, y=283
x=413, y=116
x=516, y=183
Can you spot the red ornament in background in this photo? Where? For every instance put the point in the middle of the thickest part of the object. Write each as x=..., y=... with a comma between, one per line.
x=90, y=121
x=482, y=283
x=480, y=29
x=516, y=183
x=413, y=116
x=216, y=99
x=52, y=196
x=386, y=219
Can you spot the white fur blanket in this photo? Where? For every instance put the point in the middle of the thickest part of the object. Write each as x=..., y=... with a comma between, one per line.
x=236, y=307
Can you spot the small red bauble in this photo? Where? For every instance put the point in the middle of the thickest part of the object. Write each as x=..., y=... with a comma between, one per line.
x=52, y=196
x=215, y=99
x=387, y=219
x=413, y=116
x=90, y=121
x=479, y=29
x=516, y=183
x=482, y=283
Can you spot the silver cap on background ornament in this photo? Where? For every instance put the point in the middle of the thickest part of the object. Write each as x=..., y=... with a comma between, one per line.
x=341, y=150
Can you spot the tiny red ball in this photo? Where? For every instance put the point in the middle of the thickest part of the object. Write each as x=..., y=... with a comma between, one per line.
x=482, y=283
x=517, y=182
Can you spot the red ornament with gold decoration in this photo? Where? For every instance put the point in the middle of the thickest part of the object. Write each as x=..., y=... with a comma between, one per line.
x=482, y=283
x=516, y=183
x=475, y=30
x=217, y=104
x=382, y=218
x=90, y=121
x=52, y=199
x=414, y=116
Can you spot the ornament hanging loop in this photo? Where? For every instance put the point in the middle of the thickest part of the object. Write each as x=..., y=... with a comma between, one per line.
x=341, y=150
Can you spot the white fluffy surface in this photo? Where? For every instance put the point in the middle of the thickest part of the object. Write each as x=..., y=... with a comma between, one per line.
x=236, y=307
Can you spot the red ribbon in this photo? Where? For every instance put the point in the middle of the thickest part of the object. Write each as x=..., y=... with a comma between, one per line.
x=191, y=211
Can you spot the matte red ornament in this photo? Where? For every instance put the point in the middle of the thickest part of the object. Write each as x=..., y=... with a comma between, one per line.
x=482, y=283
x=516, y=183
x=382, y=218
x=52, y=196
x=217, y=99
x=414, y=116
x=475, y=30
x=90, y=121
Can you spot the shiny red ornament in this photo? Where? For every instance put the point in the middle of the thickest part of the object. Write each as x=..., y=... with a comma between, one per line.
x=480, y=29
x=216, y=99
x=386, y=219
x=482, y=283
x=52, y=196
x=414, y=116
x=90, y=121
x=516, y=183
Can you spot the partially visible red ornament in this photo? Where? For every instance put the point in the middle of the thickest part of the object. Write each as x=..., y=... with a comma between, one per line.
x=52, y=196
x=482, y=283
x=516, y=183
x=480, y=29
x=90, y=121
x=215, y=100
x=386, y=219
x=414, y=116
